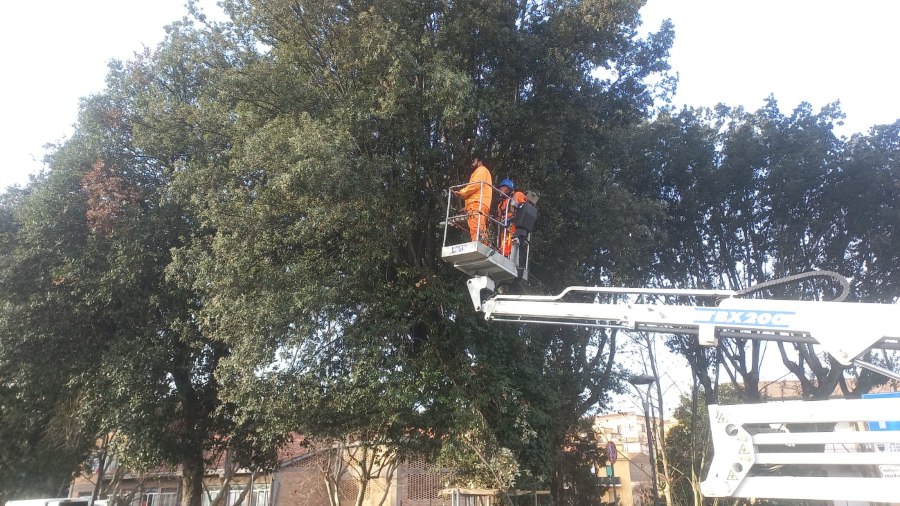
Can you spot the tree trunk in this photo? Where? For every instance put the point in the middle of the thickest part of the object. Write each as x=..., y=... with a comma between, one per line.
x=333, y=469
x=101, y=471
x=388, y=477
x=192, y=482
x=333, y=486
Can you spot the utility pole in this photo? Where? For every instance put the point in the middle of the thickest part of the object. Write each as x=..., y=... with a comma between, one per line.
x=648, y=380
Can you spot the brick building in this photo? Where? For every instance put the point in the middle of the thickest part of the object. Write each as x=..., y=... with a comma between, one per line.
x=299, y=480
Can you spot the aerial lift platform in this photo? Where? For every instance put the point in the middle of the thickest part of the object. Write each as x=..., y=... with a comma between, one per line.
x=485, y=257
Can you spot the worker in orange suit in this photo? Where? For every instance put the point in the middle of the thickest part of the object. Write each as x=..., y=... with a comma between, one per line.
x=506, y=211
x=477, y=195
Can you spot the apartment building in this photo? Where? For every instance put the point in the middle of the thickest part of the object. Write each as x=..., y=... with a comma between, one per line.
x=631, y=472
x=299, y=480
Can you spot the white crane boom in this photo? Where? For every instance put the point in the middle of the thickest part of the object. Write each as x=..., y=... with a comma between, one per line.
x=843, y=329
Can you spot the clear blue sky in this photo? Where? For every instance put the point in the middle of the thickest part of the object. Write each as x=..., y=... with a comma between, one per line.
x=736, y=52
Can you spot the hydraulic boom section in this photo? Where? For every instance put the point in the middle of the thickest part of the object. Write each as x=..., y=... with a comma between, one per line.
x=843, y=329
x=820, y=450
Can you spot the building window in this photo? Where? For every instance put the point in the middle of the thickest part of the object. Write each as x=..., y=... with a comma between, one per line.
x=168, y=497
x=156, y=497
x=259, y=496
x=150, y=498
x=209, y=495
x=233, y=495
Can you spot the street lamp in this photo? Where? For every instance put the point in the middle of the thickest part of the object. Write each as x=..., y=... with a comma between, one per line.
x=645, y=379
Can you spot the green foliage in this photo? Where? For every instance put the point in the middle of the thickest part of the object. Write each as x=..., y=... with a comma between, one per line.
x=750, y=197
x=40, y=426
x=321, y=268
x=84, y=282
x=866, y=220
x=240, y=240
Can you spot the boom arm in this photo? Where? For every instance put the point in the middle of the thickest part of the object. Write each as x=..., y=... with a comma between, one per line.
x=843, y=329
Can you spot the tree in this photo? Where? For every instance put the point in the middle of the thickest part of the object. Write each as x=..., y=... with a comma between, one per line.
x=364, y=460
x=240, y=240
x=476, y=458
x=85, y=279
x=750, y=197
x=865, y=191
x=321, y=265
x=798, y=194
x=40, y=427
x=582, y=457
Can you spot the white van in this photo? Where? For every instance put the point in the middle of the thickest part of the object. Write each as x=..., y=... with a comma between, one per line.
x=58, y=501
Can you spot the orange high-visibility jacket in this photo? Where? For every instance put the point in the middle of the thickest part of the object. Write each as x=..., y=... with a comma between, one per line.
x=475, y=192
x=508, y=233
x=517, y=197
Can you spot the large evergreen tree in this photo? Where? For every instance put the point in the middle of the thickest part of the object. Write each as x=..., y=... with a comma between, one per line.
x=242, y=236
x=90, y=314
x=322, y=268
x=751, y=197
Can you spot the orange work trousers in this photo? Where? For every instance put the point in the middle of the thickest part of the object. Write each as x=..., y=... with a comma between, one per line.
x=477, y=220
x=506, y=243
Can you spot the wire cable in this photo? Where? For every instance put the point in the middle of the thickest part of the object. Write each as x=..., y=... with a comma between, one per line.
x=845, y=285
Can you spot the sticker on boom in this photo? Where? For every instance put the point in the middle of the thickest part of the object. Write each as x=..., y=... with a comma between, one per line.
x=743, y=318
